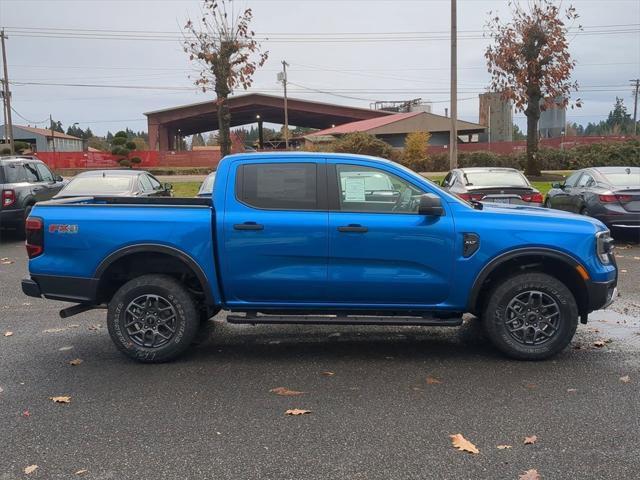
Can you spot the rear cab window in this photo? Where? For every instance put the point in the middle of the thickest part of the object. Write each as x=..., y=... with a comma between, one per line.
x=278, y=186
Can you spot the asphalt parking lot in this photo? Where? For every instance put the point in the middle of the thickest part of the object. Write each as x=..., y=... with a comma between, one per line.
x=374, y=413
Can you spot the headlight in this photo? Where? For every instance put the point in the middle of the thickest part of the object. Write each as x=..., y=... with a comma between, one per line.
x=604, y=246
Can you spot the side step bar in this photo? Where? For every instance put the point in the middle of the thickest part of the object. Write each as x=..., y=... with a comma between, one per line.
x=343, y=320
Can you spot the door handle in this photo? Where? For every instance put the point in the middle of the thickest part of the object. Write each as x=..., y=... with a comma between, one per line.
x=248, y=226
x=353, y=227
x=37, y=189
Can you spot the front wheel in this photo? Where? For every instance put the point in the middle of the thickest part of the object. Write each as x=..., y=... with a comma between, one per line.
x=152, y=318
x=531, y=316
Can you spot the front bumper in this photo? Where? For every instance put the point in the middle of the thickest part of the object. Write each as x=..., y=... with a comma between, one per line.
x=601, y=294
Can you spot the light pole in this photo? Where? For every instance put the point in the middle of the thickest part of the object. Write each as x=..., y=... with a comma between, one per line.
x=453, y=137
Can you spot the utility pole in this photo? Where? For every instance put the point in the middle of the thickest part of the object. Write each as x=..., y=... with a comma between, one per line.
x=636, y=85
x=53, y=135
x=7, y=95
x=282, y=76
x=453, y=137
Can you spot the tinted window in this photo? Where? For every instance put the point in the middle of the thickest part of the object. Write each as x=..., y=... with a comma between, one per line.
x=495, y=178
x=284, y=186
x=571, y=181
x=31, y=172
x=365, y=189
x=14, y=173
x=98, y=185
x=145, y=183
x=448, y=180
x=44, y=172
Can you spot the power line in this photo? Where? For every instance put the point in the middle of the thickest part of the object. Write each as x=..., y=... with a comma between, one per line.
x=26, y=119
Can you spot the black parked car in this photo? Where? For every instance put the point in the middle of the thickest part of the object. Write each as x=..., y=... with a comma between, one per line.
x=115, y=183
x=492, y=184
x=23, y=182
x=610, y=194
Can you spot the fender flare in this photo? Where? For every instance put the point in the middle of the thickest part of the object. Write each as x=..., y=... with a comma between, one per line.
x=158, y=248
x=510, y=255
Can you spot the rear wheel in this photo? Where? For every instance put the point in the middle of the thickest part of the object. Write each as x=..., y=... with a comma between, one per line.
x=152, y=318
x=547, y=203
x=531, y=316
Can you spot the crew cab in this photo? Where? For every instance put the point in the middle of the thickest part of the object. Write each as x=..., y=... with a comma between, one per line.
x=307, y=238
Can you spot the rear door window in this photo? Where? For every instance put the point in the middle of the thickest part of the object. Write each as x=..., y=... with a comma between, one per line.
x=14, y=173
x=573, y=179
x=31, y=172
x=278, y=186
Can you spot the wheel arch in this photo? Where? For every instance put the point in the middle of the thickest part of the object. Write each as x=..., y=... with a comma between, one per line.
x=178, y=262
x=556, y=263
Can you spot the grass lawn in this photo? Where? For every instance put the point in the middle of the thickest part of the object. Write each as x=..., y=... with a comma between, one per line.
x=189, y=189
x=185, y=189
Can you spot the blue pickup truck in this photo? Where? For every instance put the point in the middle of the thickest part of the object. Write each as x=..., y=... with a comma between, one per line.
x=325, y=239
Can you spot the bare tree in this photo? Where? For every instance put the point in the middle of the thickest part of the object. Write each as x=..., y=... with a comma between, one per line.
x=530, y=64
x=224, y=48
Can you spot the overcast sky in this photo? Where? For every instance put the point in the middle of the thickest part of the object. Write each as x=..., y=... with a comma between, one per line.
x=328, y=44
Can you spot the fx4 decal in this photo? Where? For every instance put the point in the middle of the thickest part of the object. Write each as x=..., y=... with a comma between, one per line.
x=61, y=228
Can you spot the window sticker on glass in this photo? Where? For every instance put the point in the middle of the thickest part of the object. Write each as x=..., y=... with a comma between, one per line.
x=354, y=189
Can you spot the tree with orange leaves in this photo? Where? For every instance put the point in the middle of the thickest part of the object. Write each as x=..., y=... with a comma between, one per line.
x=530, y=64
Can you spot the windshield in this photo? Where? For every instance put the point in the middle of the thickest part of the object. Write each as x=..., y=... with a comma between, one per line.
x=495, y=178
x=98, y=185
x=623, y=179
x=207, y=185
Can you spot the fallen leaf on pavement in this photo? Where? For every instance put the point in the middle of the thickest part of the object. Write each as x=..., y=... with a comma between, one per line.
x=1, y=389
x=94, y=327
x=625, y=379
x=53, y=330
x=599, y=343
x=571, y=390
x=327, y=374
x=81, y=472
x=4, y=259
x=530, y=475
x=297, y=411
x=75, y=362
x=8, y=334
x=531, y=386
x=73, y=325
x=6, y=262
x=30, y=469
x=26, y=304
x=64, y=349
x=26, y=413
x=623, y=270
x=463, y=444
x=530, y=440
x=285, y=392
x=636, y=258
x=62, y=399
x=433, y=380
x=503, y=447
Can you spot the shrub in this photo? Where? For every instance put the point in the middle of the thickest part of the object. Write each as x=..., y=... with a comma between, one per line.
x=363, y=144
x=5, y=151
x=415, y=150
x=124, y=162
x=136, y=160
x=131, y=145
x=118, y=141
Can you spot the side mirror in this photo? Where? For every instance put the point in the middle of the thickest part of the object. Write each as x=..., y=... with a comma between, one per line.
x=557, y=185
x=58, y=178
x=168, y=186
x=430, y=205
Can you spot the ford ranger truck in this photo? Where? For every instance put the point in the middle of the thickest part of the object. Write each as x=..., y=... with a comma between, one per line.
x=320, y=239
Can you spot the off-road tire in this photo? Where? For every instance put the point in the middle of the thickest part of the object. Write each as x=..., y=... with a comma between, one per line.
x=175, y=297
x=495, y=315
